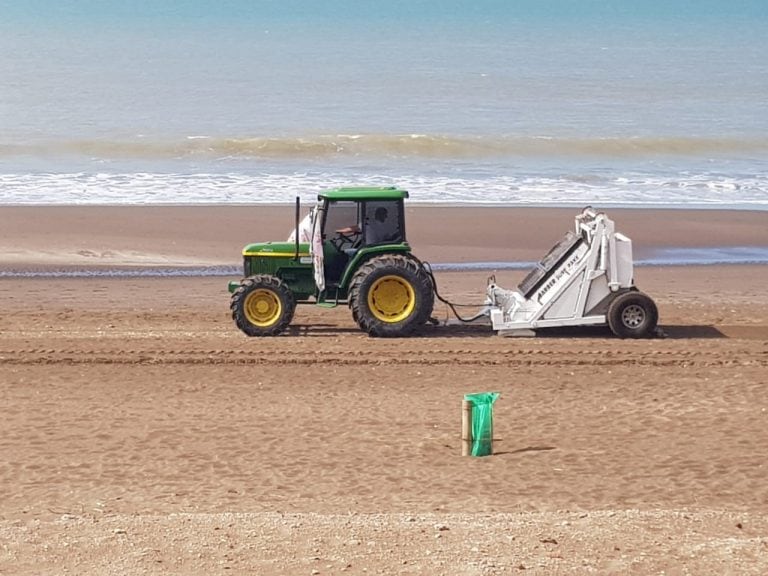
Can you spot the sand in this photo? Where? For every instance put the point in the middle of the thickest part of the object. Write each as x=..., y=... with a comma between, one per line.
x=143, y=434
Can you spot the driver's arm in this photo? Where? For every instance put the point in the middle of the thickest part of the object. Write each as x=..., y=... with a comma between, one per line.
x=349, y=230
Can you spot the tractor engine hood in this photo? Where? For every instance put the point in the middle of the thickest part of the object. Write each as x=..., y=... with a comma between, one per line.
x=275, y=249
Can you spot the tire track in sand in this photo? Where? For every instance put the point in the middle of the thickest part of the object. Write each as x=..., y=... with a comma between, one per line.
x=458, y=356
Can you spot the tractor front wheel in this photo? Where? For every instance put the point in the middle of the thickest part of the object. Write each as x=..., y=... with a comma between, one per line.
x=391, y=295
x=632, y=315
x=262, y=306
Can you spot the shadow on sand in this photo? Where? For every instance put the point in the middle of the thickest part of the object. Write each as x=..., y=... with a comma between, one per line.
x=523, y=450
x=679, y=332
x=672, y=332
x=669, y=331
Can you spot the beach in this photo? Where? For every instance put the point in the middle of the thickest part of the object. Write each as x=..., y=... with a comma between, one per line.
x=144, y=434
x=144, y=144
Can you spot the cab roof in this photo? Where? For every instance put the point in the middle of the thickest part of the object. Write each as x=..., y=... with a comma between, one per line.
x=364, y=193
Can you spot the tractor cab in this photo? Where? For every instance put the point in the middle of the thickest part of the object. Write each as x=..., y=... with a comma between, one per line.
x=352, y=225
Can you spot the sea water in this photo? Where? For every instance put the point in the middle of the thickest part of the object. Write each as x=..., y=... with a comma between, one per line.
x=530, y=102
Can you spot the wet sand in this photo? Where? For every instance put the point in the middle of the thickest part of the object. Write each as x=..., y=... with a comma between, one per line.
x=198, y=236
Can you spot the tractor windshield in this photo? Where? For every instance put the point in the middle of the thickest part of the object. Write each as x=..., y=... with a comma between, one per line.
x=340, y=216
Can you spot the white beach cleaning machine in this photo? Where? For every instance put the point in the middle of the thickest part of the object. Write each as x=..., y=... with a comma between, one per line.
x=585, y=279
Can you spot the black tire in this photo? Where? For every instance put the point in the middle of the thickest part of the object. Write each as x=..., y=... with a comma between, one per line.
x=391, y=295
x=262, y=306
x=632, y=315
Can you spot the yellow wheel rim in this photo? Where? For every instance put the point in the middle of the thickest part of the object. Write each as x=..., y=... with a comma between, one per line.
x=262, y=307
x=391, y=299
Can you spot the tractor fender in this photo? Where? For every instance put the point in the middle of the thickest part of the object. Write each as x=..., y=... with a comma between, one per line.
x=365, y=254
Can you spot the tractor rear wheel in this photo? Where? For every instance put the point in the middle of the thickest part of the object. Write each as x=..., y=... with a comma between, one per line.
x=262, y=306
x=632, y=315
x=391, y=295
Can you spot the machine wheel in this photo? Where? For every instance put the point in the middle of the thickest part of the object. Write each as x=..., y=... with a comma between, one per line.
x=262, y=306
x=391, y=295
x=632, y=315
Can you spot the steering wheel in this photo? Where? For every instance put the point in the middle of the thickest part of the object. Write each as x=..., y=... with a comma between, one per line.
x=345, y=236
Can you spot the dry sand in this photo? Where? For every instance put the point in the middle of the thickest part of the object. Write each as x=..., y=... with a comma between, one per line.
x=143, y=434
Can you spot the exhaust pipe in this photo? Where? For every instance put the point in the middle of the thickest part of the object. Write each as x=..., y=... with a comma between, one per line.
x=296, y=228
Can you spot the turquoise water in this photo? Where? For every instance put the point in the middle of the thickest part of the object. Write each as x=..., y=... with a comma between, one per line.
x=533, y=102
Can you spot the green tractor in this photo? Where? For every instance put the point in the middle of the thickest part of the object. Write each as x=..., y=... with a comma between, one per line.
x=350, y=249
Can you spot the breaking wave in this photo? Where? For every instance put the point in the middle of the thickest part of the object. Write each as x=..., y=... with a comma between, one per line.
x=377, y=145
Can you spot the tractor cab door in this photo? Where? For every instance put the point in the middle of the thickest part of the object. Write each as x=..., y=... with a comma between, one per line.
x=341, y=234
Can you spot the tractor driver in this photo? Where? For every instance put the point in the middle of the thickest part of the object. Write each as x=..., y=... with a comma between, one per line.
x=379, y=230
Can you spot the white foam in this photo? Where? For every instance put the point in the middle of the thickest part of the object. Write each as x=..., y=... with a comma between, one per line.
x=239, y=188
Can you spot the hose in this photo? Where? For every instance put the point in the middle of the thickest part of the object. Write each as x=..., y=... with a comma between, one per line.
x=428, y=269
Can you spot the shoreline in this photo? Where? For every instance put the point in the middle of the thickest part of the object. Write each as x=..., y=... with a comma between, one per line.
x=46, y=271
x=414, y=203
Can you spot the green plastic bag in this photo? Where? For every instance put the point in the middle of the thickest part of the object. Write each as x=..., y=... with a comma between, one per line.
x=482, y=422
